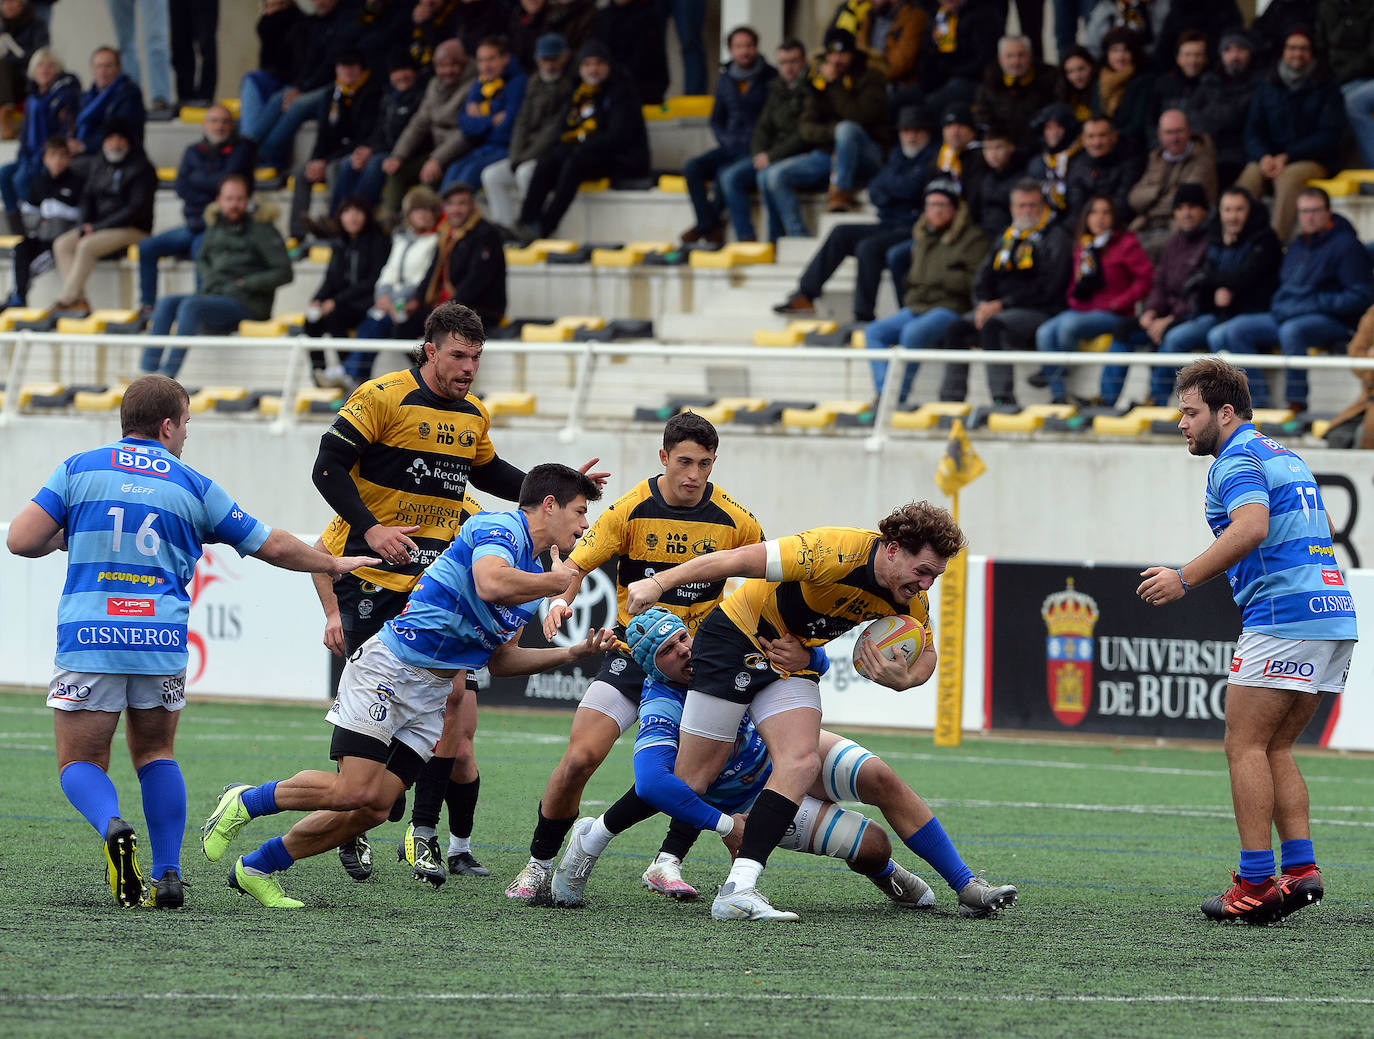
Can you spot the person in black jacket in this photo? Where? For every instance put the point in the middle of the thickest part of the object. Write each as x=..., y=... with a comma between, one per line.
x=345, y=118
x=116, y=212
x=1221, y=104
x=470, y=263
x=345, y=296
x=1109, y=167
x=53, y=206
x=960, y=44
x=26, y=33
x=603, y=136
x=634, y=34
x=362, y=173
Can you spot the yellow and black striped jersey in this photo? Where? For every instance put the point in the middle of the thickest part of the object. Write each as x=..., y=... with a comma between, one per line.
x=827, y=587
x=651, y=536
x=416, y=451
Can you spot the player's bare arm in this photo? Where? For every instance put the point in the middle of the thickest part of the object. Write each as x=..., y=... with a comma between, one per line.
x=745, y=561
x=291, y=553
x=511, y=659
x=329, y=602
x=1249, y=527
x=34, y=533
x=498, y=582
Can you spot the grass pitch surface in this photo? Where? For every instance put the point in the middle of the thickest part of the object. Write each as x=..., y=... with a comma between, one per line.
x=1113, y=848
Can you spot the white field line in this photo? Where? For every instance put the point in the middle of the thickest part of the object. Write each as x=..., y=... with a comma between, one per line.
x=1167, y=810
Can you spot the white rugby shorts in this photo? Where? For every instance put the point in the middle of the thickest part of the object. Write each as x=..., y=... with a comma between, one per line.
x=1300, y=665
x=81, y=691
x=384, y=699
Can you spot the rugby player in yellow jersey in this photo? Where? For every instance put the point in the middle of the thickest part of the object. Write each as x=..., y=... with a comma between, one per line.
x=395, y=466
x=661, y=523
x=815, y=585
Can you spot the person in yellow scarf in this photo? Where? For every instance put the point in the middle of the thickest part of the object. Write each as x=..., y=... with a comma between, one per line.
x=470, y=262
x=1060, y=154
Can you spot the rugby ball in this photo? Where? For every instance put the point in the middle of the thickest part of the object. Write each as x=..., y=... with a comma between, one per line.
x=897, y=638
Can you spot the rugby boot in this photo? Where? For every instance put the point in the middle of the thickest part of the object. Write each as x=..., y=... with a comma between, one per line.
x=1260, y=903
x=225, y=822
x=1300, y=888
x=463, y=864
x=664, y=877
x=356, y=857
x=423, y=855
x=167, y=893
x=570, y=878
x=265, y=887
x=906, y=888
x=121, y=863
x=978, y=898
x=531, y=883
x=746, y=904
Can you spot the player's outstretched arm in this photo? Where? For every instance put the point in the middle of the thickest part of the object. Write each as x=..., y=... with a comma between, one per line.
x=512, y=659
x=34, y=533
x=745, y=561
x=894, y=673
x=329, y=602
x=291, y=553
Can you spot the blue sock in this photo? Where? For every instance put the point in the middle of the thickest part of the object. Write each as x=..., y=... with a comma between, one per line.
x=1297, y=853
x=164, y=808
x=91, y=793
x=271, y=857
x=1256, y=866
x=261, y=800
x=883, y=873
x=933, y=844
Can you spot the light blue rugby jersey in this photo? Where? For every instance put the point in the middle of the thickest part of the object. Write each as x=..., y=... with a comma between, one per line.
x=136, y=518
x=1291, y=585
x=744, y=775
x=445, y=624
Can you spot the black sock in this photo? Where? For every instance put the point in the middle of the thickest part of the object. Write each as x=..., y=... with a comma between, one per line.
x=549, y=834
x=630, y=809
x=430, y=789
x=768, y=821
x=462, y=803
x=679, y=839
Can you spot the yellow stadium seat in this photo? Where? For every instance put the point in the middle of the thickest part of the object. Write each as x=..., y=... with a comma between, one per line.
x=109, y=400
x=166, y=174
x=823, y=414
x=928, y=416
x=10, y=315
x=736, y=254
x=270, y=404
x=561, y=331
x=131, y=253
x=231, y=103
x=1319, y=427
x=30, y=390
x=509, y=403
x=204, y=399
x=95, y=322
x=526, y=257
x=307, y=395
x=1097, y=344
x=320, y=254
x=590, y=186
x=858, y=339
x=1028, y=419
x=195, y=115
x=9, y=241
x=724, y=410
x=265, y=173
x=794, y=334
x=690, y=106
x=1134, y=422
x=672, y=184
x=1336, y=187
x=270, y=329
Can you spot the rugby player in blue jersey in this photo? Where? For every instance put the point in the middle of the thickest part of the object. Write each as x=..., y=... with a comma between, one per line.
x=660, y=644
x=133, y=518
x=466, y=612
x=1273, y=542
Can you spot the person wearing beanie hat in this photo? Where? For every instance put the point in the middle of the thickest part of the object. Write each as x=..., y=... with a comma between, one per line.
x=635, y=35
x=1059, y=156
x=1182, y=156
x=1014, y=88
x=549, y=46
x=601, y=134
x=1220, y=107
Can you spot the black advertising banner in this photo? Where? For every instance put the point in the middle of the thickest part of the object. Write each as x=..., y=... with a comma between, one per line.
x=1072, y=648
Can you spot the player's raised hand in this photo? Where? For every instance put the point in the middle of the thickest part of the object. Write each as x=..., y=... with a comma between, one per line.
x=641, y=595
x=391, y=543
x=599, y=478
x=558, y=613
x=347, y=564
x=598, y=640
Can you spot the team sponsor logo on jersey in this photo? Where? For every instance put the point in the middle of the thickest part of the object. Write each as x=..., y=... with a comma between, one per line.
x=1070, y=617
x=1332, y=577
x=651, y=540
x=418, y=471
x=384, y=692
x=137, y=461
x=1321, y=550
x=96, y=635
x=704, y=546
x=368, y=588
x=1298, y=670
x=1331, y=604
x=1273, y=445
x=173, y=690
x=130, y=608
x=618, y=665
x=127, y=578
x=467, y=438
x=71, y=692
x=136, y=488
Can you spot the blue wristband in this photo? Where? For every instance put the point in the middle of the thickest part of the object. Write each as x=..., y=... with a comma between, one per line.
x=1186, y=585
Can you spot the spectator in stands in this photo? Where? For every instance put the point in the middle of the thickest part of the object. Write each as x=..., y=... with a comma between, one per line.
x=276, y=29
x=431, y=140
x=343, y=299
x=469, y=264
x=1167, y=323
x=898, y=192
x=1293, y=133
x=203, y=165
x=49, y=110
x=1020, y=285
x=1067, y=14
x=538, y=125
x=1013, y=90
x=1124, y=91
x=947, y=250
x=1077, y=77
x=1214, y=19
x=1345, y=36
x=396, y=309
x=241, y=265
x=116, y=212
x=777, y=136
x=633, y=34
x=344, y=116
x=531, y=19
x=1177, y=87
x=960, y=45
x=317, y=40
x=52, y=208
x=1280, y=17
x=428, y=27
x=151, y=31
x=1325, y=284
x=487, y=118
x=603, y=135
x=1111, y=274
x=473, y=21
x=362, y=174
x=195, y=50
x=112, y=96
x=1353, y=426
x=22, y=33
x=689, y=21
x=741, y=90
x=1107, y=168
x=844, y=120
x=1060, y=155
x=1181, y=157
x=1144, y=18
x=989, y=201
x=889, y=32
x=1221, y=104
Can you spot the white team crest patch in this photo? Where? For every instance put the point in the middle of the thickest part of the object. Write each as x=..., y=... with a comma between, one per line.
x=617, y=665
x=742, y=681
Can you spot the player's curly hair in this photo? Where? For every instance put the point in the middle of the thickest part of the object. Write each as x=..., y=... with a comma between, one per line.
x=919, y=524
x=1217, y=382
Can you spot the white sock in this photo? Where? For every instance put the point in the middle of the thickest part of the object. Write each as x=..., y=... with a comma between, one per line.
x=546, y=863
x=744, y=874
x=457, y=845
x=663, y=856
x=594, y=841
x=423, y=832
